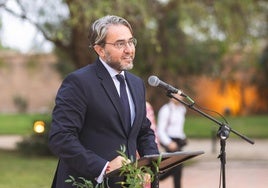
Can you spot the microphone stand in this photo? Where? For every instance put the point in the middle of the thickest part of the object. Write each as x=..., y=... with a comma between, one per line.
x=223, y=132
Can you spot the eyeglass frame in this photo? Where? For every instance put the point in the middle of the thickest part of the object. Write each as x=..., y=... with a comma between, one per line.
x=131, y=42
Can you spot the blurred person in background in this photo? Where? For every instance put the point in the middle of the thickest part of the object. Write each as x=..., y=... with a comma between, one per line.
x=151, y=116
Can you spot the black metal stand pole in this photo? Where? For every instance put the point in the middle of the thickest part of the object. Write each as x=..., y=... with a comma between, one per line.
x=223, y=134
x=155, y=182
x=223, y=162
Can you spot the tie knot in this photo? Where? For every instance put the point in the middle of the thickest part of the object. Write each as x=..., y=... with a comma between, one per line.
x=120, y=78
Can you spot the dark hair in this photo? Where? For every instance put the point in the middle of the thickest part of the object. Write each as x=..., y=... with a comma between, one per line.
x=98, y=30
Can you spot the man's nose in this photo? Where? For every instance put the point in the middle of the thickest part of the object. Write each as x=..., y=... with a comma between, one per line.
x=128, y=47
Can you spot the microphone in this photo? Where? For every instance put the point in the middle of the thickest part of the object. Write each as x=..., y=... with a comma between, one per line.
x=155, y=81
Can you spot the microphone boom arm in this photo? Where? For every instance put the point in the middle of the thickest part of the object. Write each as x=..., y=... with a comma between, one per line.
x=191, y=106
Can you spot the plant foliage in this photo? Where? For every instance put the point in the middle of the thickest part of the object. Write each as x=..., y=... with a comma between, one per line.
x=135, y=177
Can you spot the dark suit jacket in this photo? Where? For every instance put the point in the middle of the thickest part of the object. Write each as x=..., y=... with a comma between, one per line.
x=87, y=125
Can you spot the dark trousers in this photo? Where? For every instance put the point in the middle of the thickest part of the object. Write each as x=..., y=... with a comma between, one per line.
x=175, y=172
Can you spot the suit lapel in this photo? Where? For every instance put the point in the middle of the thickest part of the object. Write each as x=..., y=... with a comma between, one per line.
x=111, y=91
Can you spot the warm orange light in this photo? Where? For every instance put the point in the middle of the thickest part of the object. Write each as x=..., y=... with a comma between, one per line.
x=39, y=127
x=226, y=97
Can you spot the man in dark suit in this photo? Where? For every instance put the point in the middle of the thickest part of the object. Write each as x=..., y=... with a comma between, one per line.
x=89, y=121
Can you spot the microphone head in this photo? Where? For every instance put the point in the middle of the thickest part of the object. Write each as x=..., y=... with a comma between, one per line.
x=153, y=81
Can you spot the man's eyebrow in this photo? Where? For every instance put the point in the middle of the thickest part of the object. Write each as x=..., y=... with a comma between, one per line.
x=122, y=40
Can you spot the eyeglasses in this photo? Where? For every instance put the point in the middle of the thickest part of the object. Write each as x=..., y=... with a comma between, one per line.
x=121, y=44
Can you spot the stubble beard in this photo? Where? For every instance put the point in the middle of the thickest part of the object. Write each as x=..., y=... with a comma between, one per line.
x=118, y=65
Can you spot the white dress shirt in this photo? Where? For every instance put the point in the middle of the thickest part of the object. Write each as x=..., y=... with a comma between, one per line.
x=170, y=122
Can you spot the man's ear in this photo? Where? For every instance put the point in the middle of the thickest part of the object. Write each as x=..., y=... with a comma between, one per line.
x=99, y=50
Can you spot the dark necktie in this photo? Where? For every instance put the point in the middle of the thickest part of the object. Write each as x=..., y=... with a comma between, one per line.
x=124, y=100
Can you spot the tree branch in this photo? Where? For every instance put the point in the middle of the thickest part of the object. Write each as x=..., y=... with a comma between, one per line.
x=24, y=16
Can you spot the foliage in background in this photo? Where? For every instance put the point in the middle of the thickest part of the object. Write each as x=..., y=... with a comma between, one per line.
x=176, y=39
x=165, y=29
x=261, y=79
x=64, y=64
x=21, y=103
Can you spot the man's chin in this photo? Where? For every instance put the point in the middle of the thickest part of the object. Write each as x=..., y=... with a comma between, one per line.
x=128, y=66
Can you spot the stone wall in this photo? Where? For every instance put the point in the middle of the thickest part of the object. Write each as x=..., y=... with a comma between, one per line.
x=30, y=79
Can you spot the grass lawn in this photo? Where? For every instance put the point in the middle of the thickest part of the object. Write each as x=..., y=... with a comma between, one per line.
x=32, y=172
x=195, y=126
x=250, y=126
x=21, y=124
x=25, y=172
